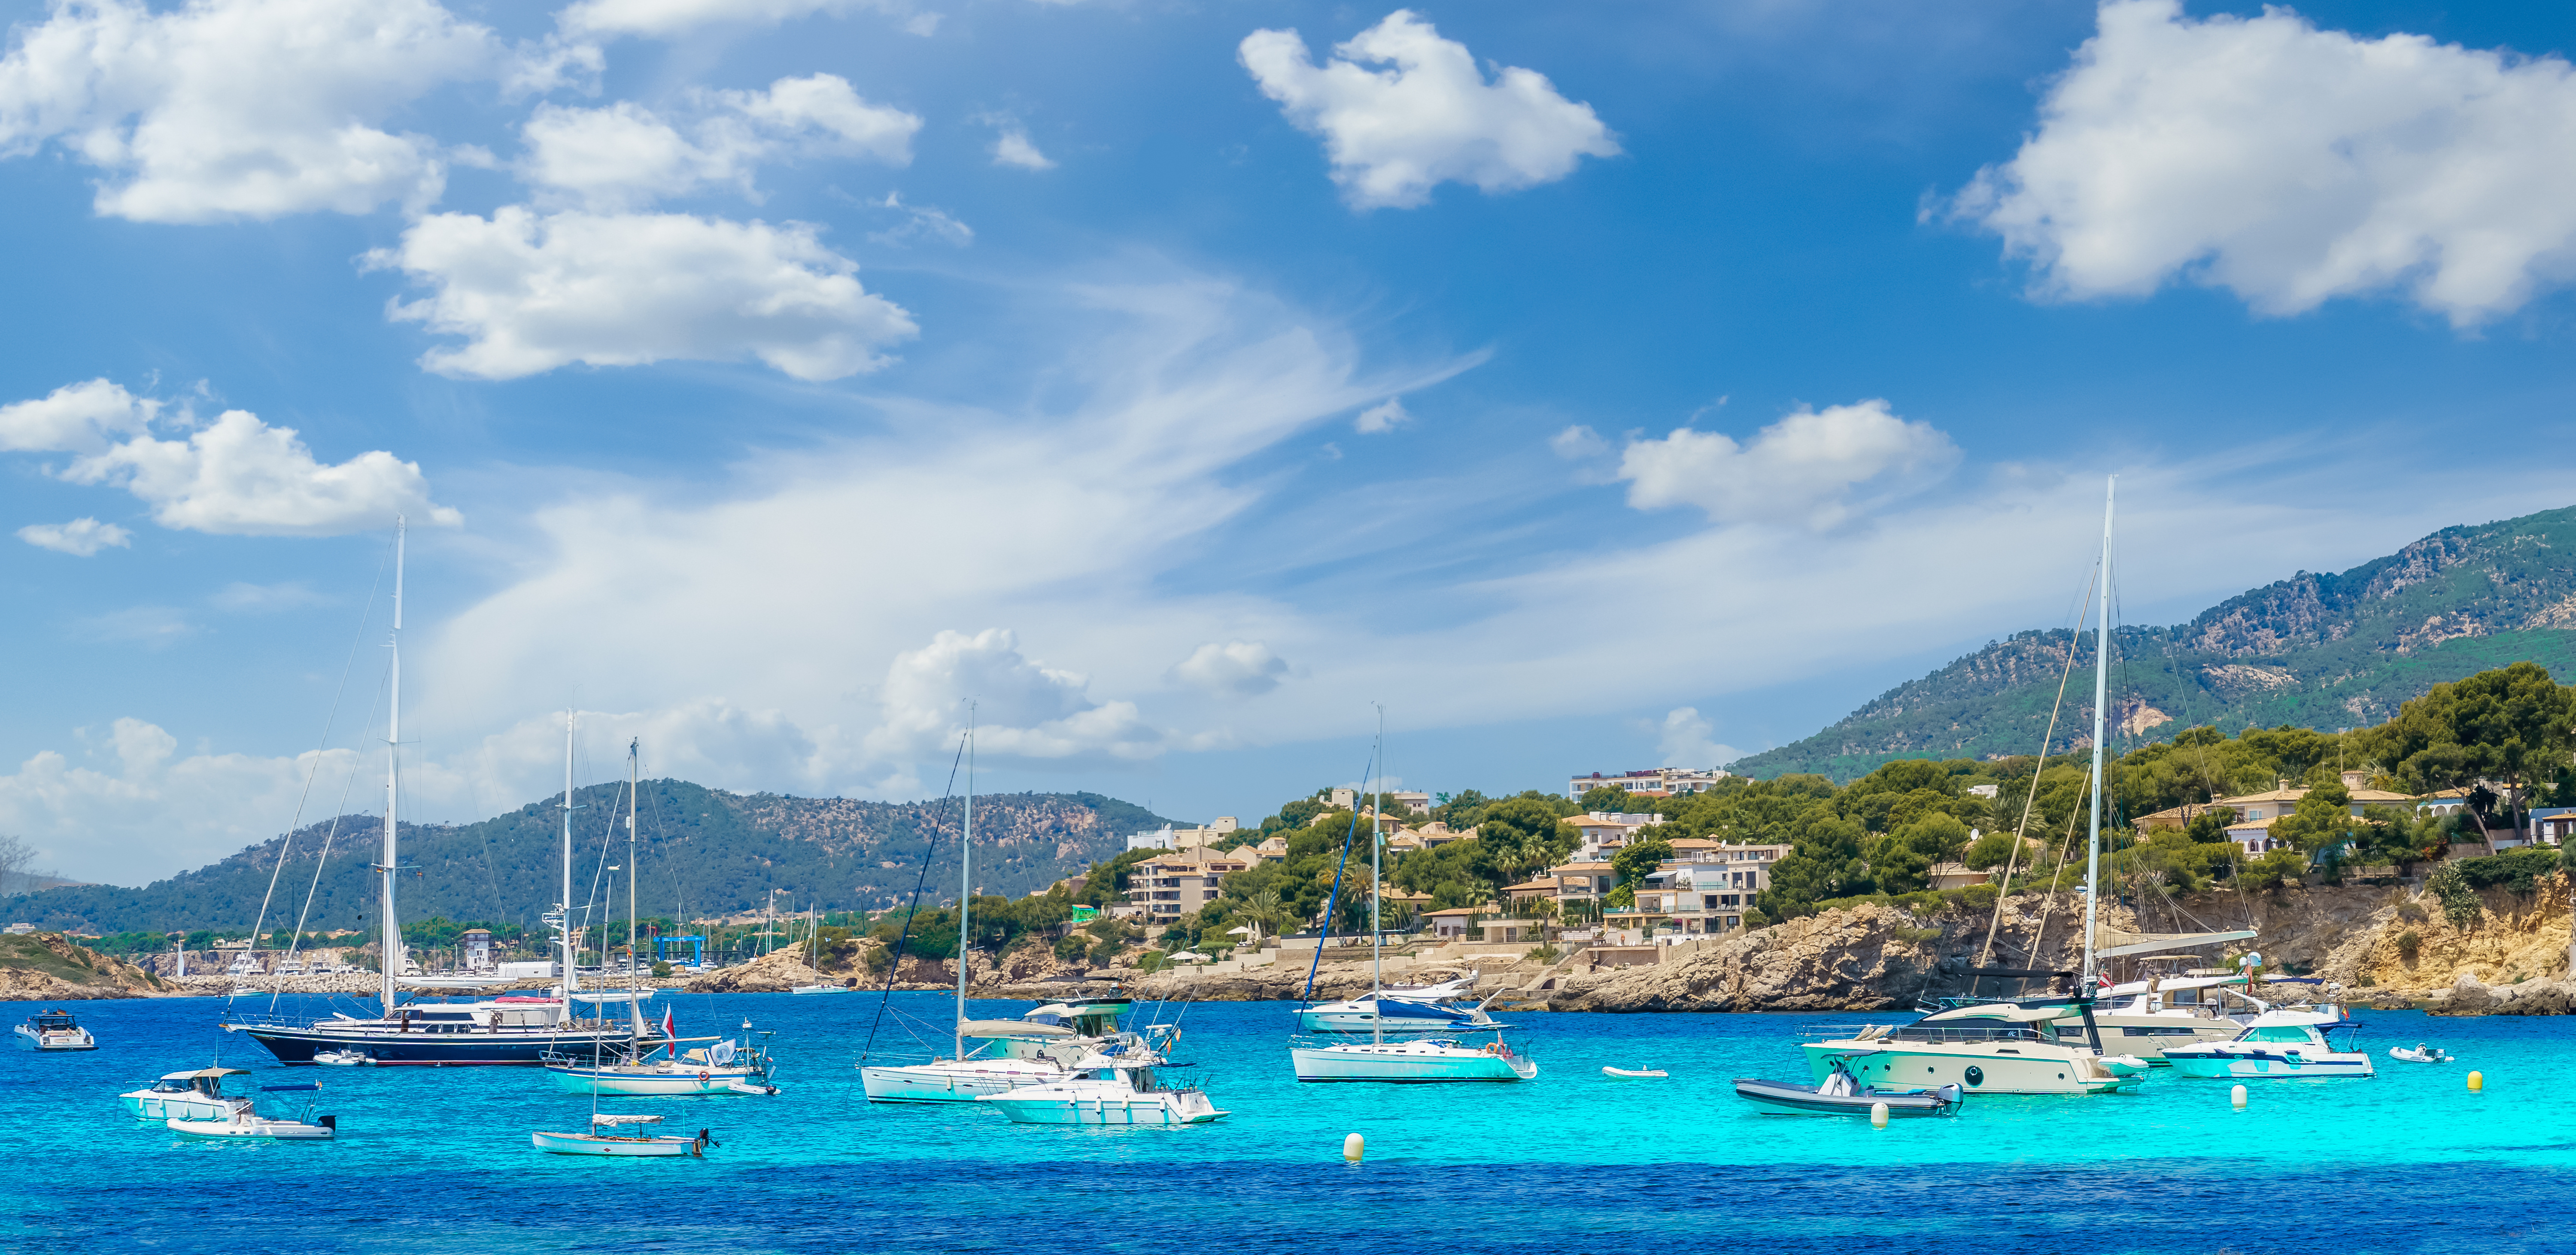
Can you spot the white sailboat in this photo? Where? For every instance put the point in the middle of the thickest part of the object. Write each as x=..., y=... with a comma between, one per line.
x=1429, y=1060
x=604, y=1139
x=2011, y=1046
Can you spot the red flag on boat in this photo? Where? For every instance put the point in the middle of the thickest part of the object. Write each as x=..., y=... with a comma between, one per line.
x=668, y=1032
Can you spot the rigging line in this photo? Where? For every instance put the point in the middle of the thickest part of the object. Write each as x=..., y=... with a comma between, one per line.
x=324, y=858
x=1307, y=996
x=2031, y=794
x=324, y=745
x=2063, y=847
x=894, y=960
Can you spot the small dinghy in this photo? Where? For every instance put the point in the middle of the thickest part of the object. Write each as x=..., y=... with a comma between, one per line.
x=1840, y=1095
x=1657, y=1073
x=637, y=1145
x=344, y=1058
x=2419, y=1053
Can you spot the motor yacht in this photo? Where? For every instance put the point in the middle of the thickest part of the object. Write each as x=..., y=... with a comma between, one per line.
x=2143, y=1017
x=1985, y=1048
x=54, y=1030
x=2278, y=1044
x=242, y=1120
x=1121, y=1090
x=197, y=1095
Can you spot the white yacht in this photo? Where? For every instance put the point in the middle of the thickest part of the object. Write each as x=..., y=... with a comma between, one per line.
x=1120, y=1090
x=721, y=1066
x=1985, y=1048
x=54, y=1030
x=197, y=1095
x=1425, y=1061
x=2142, y=1018
x=2277, y=1045
x=242, y=1120
x=605, y=1139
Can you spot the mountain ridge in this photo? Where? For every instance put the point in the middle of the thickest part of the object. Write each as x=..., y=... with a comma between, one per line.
x=2319, y=649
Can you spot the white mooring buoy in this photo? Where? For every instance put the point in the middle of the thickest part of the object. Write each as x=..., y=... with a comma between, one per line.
x=2236, y=1098
x=1878, y=1115
x=1352, y=1146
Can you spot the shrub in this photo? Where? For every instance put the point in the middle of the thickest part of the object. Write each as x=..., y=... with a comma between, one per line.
x=2450, y=886
x=1914, y=936
x=661, y=968
x=2408, y=944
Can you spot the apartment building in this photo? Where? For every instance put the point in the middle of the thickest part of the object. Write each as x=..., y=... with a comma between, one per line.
x=1603, y=832
x=1168, y=837
x=1652, y=782
x=1164, y=888
x=1702, y=890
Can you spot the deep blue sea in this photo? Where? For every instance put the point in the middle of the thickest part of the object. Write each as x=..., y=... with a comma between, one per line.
x=438, y=1160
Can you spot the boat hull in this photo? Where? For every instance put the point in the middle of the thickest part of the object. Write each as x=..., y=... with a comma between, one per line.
x=1397, y=1066
x=77, y=1039
x=2267, y=1065
x=937, y=1082
x=617, y=1147
x=252, y=1129
x=2019, y=1067
x=1806, y=1100
x=1397, y=1017
x=2147, y=1036
x=509, y=1047
x=1158, y=1110
x=653, y=1082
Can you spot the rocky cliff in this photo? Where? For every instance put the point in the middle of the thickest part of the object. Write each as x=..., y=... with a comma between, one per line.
x=48, y=967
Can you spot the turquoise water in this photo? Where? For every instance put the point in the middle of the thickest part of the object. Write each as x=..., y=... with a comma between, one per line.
x=438, y=1160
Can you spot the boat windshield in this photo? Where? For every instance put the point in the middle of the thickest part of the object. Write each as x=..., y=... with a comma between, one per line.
x=2279, y=1033
x=1966, y=1031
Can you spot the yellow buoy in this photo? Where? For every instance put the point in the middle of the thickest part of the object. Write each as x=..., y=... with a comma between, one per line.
x=2477, y=1081
x=1878, y=1115
x=2236, y=1098
x=1352, y=1146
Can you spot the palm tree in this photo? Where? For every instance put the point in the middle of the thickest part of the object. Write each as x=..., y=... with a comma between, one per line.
x=1264, y=910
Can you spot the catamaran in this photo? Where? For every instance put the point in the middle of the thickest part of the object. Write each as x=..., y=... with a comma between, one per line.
x=498, y=1030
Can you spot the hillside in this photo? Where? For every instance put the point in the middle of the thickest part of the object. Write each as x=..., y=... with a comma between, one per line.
x=703, y=852
x=2323, y=651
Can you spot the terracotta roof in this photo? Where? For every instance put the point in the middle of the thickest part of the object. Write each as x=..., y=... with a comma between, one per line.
x=1459, y=910
x=1533, y=885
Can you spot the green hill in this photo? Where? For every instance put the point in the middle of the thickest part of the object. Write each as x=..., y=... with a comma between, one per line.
x=2323, y=651
x=703, y=852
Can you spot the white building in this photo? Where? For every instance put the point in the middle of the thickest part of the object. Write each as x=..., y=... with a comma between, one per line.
x=1656, y=782
x=1168, y=837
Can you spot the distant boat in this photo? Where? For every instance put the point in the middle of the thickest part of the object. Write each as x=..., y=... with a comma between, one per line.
x=54, y=1030
x=2279, y=1045
x=722, y=1066
x=343, y=1059
x=1656, y=1073
x=820, y=989
x=197, y=1095
x=244, y=1121
x=1121, y=1091
x=622, y=1145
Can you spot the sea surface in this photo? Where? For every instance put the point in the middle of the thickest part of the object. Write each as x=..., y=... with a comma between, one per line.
x=437, y=1160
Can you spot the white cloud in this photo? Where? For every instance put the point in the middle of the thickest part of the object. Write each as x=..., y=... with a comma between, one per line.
x=662, y=19
x=75, y=418
x=1392, y=135
x=921, y=222
x=154, y=627
x=1232, y=669
x=240, y=476
x=80, y=538
x=624, y=155
x=1801, y=471
x=1023, y=707
x=2291, y=165
x=1013, y=148
x=242, y=108
x=531, y=293
x=1686, y=740
x=1384, y=416
x=1578, y=442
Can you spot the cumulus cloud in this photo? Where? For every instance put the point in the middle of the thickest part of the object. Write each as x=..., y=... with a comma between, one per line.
x=1578, y=442
x=662, y=19
x=624, y=155
x=1023, y=707
x=1394, y=134
x=1384, y=416
x=1232, y=669
x=234, y=476
x=532, y=292
x=1014, y=148
x=241, y=108
x=1802, y=471
x=2291, y=165
x=920, y=222
x=1687, y=740
x=80, y=538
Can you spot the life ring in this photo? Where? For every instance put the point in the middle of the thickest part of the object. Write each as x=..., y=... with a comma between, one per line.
x=703, y=1077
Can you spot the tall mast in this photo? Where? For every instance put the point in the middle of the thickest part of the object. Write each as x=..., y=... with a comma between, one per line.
x=2101, y=684
x=392, y=928
x=965, y=880
x=572, y=980
x=1377, y=809
x=634, y=1005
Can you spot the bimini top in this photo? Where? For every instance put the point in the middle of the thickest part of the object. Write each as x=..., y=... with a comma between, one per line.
x=206, y=1074
x=1013, y=1028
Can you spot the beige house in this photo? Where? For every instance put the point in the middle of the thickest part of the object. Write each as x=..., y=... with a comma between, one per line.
x=1955, y=876
x=1605, y=831
x=1703, y=890
x=1172, y=885
x=1452, y=924
x=2273, y=803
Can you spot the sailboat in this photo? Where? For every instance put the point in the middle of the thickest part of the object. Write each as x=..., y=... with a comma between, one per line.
x=2012, y=1046
x=967, y=1075
x=1426, y=1060
x=499, y=1030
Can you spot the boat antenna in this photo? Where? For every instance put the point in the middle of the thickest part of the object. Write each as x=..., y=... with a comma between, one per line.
x=392, y=926
x=2101, y=680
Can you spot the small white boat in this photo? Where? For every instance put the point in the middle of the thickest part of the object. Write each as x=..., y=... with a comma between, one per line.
x=197, y=1095
x=54, y=1030
x=1846, y=1099
x=723, y=1066
x=244, y=1121
x=344, y=1058
x=1109, y=1090
x=622, y=1145
x=1657, y=1073
x=1428, y=1061
x=2419, y=1053
x=820, y=989
x=2279, y=1044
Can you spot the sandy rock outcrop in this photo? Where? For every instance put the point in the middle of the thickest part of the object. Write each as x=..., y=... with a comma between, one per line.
x=1285, y=981
x=49, y=967
x=1864, y=958
x=774, y=973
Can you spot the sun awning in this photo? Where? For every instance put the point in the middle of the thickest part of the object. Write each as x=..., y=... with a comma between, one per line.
x=2153, y=943
x=1012, y=1028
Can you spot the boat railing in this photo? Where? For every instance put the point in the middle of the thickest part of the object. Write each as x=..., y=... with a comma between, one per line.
x=1942, y=1035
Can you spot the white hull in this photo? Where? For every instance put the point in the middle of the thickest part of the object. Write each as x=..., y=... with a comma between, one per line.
x=252, y=1128
x=1047, y=1104
x=1357, y=1018
x=616, y=1147
x=2001, y=1067
x=1408, y=1063
x=76, y=1039
x=2147, y=1036
x=146, y=1105
x=954, y=1082
x=657, y=1081
x=2274, y=1064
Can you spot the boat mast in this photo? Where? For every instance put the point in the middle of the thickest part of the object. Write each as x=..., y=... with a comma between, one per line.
x=634, y=1004
x=2101, y=684
x=392, y=927
x=1377, y=809
x=572, y=980
x=965, y=880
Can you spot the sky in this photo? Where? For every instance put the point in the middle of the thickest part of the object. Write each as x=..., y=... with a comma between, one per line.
x=1186, y=386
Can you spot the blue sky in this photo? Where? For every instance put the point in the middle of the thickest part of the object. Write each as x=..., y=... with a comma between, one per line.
x=1593, y=386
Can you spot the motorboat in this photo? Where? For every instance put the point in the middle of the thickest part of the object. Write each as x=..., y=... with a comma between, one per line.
x=721, y=1066
x=1121, y=1090
x=991, y=1067
x=2279, y=1044
x=820, y=989
x=1841, y=1095
x=245, y=1122
x=54, y=1030
x=637, y=1145
x=1421, y=1061
x=197, y=1095
x=1636, y=1073
x=1393, y=1013
x=1985, y=1048
x=2419, y=1053
x=344, y=1059
x=2143, y=1017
